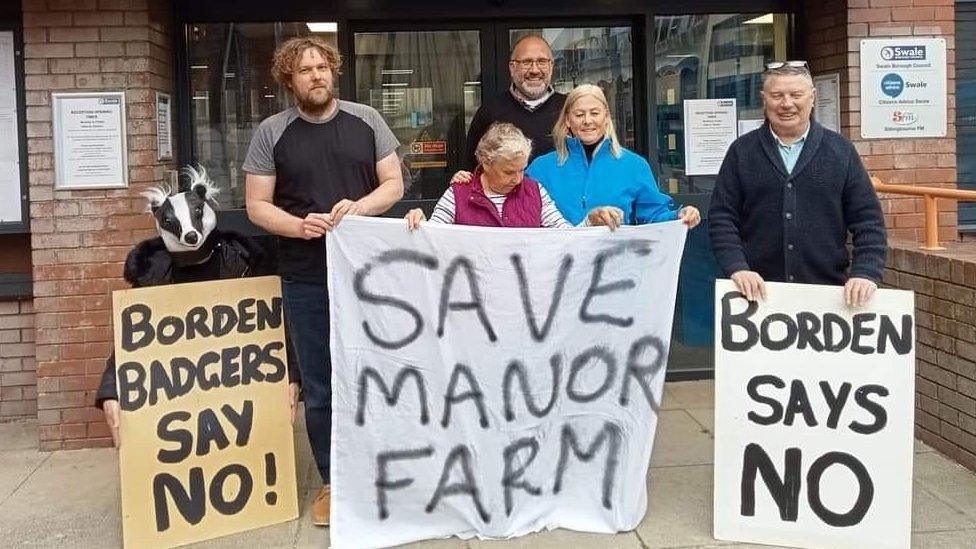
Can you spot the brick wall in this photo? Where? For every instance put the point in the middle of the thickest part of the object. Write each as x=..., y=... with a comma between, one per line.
x=945, y=381
x=80, y=238
x=832, y=44
x=18, y=385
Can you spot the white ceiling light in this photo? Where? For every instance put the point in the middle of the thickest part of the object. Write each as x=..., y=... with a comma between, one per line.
x=761, y=20
x=323, y=27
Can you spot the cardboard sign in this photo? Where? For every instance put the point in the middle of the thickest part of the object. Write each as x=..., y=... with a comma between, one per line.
x=495, y=382
x=207, y=447
x=814, y=408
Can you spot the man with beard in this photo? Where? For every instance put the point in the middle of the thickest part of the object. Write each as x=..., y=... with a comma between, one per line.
x=530, y=103
x=789, y=193
x=307, y=167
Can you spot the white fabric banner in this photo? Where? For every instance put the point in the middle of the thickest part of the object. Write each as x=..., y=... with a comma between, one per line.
x=814, y=411
x=495, y=382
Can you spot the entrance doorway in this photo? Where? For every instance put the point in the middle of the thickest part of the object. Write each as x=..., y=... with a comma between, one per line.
x=427, y=82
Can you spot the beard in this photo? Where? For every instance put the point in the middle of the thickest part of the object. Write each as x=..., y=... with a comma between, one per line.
x=316, y=100
x=531, y=89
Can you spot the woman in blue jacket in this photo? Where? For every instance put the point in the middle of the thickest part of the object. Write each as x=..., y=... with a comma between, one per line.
x=589, y=167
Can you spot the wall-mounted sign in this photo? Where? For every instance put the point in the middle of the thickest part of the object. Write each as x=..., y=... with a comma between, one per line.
x=428, y=147
x=827, y=111
x=11, y=188
x=89, y=140
x=903, y=87
x=164, y=125
x=710, y=127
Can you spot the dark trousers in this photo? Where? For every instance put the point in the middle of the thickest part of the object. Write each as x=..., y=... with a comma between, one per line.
x=307, y=315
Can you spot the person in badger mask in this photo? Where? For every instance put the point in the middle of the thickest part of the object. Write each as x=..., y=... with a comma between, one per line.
x=189, y=248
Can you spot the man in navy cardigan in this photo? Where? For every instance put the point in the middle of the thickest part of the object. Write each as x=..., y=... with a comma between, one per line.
x=788, y=194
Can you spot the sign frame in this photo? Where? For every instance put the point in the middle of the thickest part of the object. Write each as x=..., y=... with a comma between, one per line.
x=20, y=137
x=63, y=180
x=164, y=121
x=822, y=83
x=891, y=64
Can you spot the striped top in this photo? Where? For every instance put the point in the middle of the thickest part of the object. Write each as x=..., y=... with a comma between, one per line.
x=552, y=218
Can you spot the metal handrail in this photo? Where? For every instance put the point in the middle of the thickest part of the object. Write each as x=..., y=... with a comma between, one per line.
x=930, y=194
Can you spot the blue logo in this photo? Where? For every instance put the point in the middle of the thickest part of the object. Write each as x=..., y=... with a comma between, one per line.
x=892, y=85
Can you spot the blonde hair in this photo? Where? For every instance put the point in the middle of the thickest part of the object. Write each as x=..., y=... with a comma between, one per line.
x=561, y=130
x=286, y=57
x=502, y=140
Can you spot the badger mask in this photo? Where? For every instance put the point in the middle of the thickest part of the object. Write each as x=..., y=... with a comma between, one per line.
x=185, y=220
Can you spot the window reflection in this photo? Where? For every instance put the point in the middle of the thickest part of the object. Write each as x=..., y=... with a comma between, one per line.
x=232, y=91
x=427, y=86
x=709, y=57
x=594, y=55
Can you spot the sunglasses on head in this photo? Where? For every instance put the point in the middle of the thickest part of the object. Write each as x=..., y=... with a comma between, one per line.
x=780, y=64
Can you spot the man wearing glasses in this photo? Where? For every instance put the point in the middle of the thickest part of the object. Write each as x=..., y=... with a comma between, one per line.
x=789, y=193
x=530, y=103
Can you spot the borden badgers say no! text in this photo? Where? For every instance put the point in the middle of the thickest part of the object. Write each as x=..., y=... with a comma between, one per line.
x=219, y=366
x=864, y=334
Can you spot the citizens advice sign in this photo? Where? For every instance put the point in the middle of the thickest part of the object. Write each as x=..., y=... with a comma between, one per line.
x=814, y=408
x=495, y=382
x=903, y=87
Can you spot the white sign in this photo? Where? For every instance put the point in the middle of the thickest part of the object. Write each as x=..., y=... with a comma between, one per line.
x=710, y=127
x=903, y=87
x=494, y=382
x=814, y=411
x=827, y=111
x=164, y=124
x=11, y=189
x=746, y=126
x=89, y=140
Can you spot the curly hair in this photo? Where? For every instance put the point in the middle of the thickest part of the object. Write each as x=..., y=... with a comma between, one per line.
x=286, y=57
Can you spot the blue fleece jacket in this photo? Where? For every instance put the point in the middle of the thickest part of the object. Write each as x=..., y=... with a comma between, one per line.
x=578, y=186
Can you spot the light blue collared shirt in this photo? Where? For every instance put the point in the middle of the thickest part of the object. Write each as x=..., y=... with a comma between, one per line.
x=790, y=153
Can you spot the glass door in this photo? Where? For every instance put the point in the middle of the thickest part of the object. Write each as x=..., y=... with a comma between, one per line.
x=427, y=85
x=601, y=55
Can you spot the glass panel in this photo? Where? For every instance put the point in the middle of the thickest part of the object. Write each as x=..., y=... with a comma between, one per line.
x=594, y=55
x=966, y=108
x=232, y=91
x=427, y=86
x=704, y=57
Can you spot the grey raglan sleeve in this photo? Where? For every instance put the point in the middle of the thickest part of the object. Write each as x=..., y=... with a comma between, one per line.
x=260, y=154
x=386, y=142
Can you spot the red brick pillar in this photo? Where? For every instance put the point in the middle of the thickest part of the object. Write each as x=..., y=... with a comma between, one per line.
x=80, y=238
x=833, y=41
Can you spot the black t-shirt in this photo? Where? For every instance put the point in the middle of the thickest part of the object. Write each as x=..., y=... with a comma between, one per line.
x=316, y=164
x=535, y=124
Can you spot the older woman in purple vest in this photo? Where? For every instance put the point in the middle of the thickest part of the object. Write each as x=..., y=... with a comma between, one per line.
x=499, y=194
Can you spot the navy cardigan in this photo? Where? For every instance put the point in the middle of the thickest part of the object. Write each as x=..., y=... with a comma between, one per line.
x=794, y=227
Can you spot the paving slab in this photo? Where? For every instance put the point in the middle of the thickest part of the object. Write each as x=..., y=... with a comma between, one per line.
x=681, y=440
x=16, y=466
x=71, y=500
x=954, y=539
x=679, y=511
x=948, y=481
x=705, y=417
x=693, y=394
x=929, y=513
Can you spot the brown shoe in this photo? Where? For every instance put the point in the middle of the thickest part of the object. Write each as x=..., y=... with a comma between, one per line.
x=321, y=506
